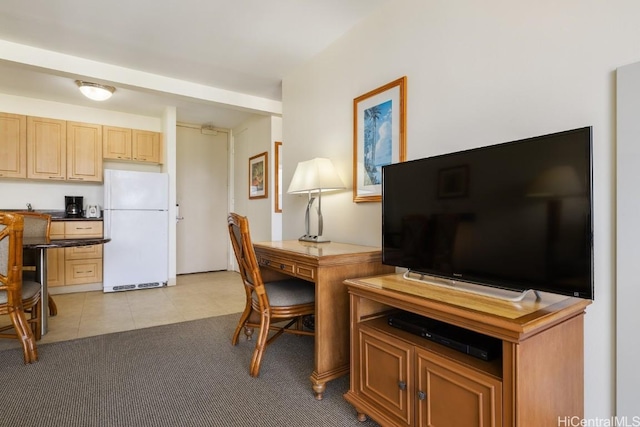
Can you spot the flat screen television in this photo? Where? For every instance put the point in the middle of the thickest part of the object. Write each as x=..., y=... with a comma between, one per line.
x=516, y=215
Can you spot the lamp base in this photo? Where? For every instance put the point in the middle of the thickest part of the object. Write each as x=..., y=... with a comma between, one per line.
x=313, y=239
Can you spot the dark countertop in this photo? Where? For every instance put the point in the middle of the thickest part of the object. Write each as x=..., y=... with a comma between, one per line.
x=42, y=243
x=55, y=215
x=64, y=218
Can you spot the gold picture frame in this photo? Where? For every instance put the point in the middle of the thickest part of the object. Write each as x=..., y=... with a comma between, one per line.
x=379, y=137
x=277, y=164
x=259, y=176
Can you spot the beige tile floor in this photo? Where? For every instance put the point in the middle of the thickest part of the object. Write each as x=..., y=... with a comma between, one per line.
x=195, y=296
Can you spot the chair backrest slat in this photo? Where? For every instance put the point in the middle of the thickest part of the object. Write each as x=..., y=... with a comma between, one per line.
x=11, y=226
x=245, y=254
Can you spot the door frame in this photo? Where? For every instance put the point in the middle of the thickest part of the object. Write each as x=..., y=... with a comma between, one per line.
x=231, y=263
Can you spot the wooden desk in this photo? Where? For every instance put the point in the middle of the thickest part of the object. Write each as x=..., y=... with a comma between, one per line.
x=327, y=265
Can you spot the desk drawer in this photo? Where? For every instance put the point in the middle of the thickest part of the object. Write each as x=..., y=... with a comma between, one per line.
x=307, y=272
x=279, y=264
x=303, y=271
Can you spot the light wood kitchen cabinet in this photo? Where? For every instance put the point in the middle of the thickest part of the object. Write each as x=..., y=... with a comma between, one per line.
x=84, y=152
x=145, y=146
x=55, y=257
x=131, y=144
x=13, y=145
x=76, y=265
x=402, y=379
x=116, y=143
x=60, y=150
x=46, y=148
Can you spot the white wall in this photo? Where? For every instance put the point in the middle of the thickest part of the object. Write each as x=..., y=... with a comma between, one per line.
x=254, y=136
x=478, y=73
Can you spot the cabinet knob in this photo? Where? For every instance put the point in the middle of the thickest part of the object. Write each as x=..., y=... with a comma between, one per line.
x=422, y=395
x=402, y=385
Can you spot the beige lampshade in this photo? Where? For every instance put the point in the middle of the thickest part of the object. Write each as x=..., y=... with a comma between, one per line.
x=315, y=175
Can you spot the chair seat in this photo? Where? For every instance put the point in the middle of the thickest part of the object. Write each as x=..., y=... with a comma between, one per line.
x=29, y=290
x=288, y=292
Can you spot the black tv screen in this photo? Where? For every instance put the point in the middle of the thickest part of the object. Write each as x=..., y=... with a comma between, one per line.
x=515, y=215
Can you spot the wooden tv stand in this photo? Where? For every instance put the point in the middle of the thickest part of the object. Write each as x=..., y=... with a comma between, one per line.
x=401, y=379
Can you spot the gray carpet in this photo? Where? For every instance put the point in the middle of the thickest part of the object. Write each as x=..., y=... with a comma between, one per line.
x=184, y=374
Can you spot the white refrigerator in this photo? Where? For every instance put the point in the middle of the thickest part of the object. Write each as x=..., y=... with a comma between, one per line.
x=136, y=219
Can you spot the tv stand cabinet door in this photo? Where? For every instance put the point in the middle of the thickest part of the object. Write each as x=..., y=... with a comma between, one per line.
x=386, y=374
x=450, y=394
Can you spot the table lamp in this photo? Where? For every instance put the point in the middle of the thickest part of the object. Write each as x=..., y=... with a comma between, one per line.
x=314, y=176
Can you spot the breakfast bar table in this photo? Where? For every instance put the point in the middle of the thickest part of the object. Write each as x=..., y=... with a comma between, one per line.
x=41, y=244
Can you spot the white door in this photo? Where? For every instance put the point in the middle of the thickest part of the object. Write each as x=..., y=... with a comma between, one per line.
x=202, y=196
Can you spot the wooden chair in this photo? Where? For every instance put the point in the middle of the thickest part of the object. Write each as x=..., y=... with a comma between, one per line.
x=12, y=291
x=287, y=300
x=35, y=225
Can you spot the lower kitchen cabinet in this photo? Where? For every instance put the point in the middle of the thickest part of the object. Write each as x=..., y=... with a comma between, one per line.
x=77, y=265
x=398, y=378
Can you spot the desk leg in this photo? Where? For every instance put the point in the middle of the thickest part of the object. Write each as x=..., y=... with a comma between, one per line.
x=332, y=326
x=44, y=294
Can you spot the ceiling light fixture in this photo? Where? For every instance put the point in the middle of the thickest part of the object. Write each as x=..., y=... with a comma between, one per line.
x=95, y=91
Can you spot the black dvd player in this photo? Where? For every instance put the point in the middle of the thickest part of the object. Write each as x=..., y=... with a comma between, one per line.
x=463, y=340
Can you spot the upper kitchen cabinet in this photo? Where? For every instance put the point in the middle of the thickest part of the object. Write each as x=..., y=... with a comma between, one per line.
x=61, y=150
x=84, y=152
x=13, y=146
x=46, y=148
x=145, y=146
x=116, y=143
x=131, y=144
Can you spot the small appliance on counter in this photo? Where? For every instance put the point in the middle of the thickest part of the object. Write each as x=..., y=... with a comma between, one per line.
x=73, y=206
x=92, y=211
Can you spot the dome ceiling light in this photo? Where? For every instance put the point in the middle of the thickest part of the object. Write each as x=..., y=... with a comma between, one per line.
x=95, y=91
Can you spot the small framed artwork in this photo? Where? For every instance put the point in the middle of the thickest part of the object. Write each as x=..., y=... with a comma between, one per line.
x=277, y=164
x=258, y=176
x=453, y=182
x=379, y=138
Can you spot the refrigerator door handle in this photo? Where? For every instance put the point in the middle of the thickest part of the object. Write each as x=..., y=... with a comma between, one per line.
x=178, y=217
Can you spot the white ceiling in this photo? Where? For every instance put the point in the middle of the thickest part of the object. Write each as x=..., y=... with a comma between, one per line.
x=243, y=46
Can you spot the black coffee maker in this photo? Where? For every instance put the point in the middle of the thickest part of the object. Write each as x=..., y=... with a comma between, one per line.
x=73, y=206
